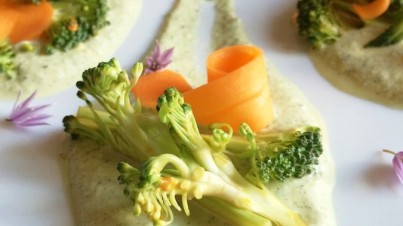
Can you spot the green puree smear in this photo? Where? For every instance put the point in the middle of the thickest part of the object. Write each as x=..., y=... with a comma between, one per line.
x=74, y=22
x=79, y=20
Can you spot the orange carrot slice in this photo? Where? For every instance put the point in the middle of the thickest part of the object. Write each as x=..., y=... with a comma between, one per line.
x=33, y=21
x=150, y=86
x=237, y=90
x=27, y=21
x=371, y=10
x=8, y=19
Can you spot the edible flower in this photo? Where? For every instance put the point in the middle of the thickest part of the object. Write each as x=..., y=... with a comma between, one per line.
x=25, y=115
x=397, y=163
x=158, y=60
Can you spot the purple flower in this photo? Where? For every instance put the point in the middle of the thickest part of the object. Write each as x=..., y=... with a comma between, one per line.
x=397, y=163
x=24, y=115
x=158, y=61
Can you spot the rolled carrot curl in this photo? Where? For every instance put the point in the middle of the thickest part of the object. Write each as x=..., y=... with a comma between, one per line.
x=21, y=21
x=237, y=90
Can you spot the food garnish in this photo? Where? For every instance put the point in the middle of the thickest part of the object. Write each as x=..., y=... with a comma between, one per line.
x=25, y=115
x=322, y=22
x=156, y=78
x=274, y=156
x=237, y=83
x=158, y=60
x=397, y=163
x=78, y=21
x=237, y=89
x=174, y=158
x=54, y=24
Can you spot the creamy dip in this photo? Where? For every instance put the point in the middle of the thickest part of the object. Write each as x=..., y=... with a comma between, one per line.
x=49, y=74
x=372, y=73
x=99, y=200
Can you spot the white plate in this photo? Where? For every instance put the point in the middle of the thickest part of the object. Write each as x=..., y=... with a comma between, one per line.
x=366, y=193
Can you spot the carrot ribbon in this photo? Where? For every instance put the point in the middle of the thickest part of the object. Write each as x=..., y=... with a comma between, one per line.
x=237, y=90
x=22, y=21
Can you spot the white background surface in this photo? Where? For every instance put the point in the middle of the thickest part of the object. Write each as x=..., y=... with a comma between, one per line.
x=367, y=193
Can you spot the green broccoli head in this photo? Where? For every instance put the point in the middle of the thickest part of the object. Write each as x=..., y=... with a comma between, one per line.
x=293, y=160
x=108, y=82
x=317, y=22
x=77, y=21
x=7, y=65
x=179, y=116
x=278, y=156
x=294, y=155
x=322, y=22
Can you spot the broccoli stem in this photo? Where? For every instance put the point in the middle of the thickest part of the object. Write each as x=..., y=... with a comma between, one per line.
x=234, y=215
x=177, y=159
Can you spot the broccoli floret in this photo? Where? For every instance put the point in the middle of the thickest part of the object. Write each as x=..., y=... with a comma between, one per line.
x=321, y=21
x=7, y=65
x=76, y=22
x=113, y=120
x=317, y=23
x=278, y=156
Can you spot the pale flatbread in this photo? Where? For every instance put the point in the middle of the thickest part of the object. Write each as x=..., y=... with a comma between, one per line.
x=54, y=73
x=371, y=73
x=98, y=199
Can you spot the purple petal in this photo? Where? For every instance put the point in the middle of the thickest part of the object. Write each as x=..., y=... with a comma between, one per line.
x=33, y=118
x=167, y=54
x=24, y=115
x=17, y=113
x=20, y=114
x=158, y=61
x=33, y=123
x=164, y=64
x=19, y=109
x=157, y=51
x=149, y=61
x=16, y=101
x=37, y=120
x=26, y=102
x=398, y=165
